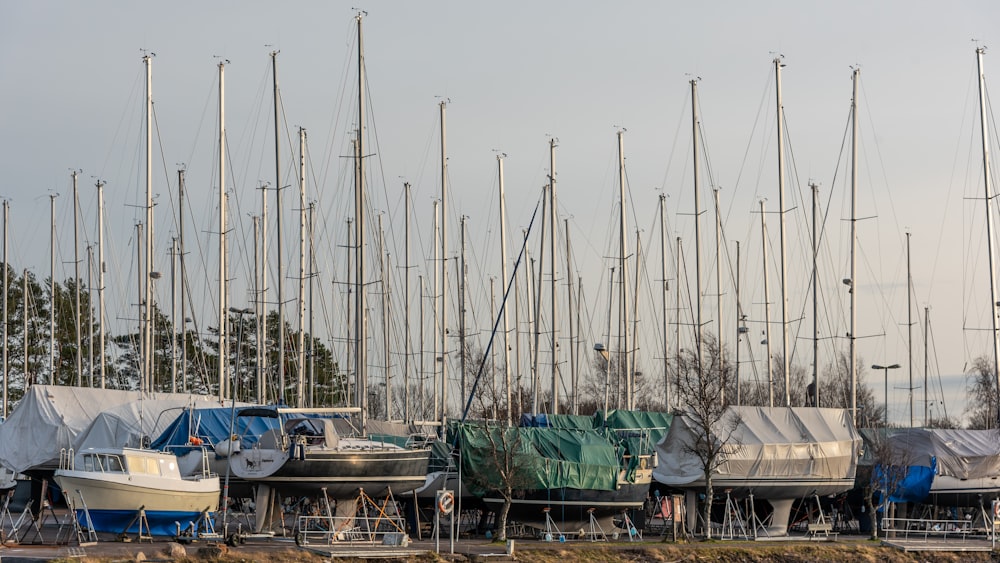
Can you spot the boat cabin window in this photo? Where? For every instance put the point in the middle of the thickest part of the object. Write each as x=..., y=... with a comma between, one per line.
x=103, y=462
x=143, y=465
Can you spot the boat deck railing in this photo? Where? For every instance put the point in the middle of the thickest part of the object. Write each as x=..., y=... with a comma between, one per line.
x=67, y=459
x=373, y=522
x=924, y=529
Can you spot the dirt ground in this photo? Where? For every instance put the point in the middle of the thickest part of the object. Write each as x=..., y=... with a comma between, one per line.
x=851, y=550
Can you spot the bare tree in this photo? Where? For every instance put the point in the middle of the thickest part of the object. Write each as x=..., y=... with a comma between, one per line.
x=885, y=469
x=711, y=422
x=981, y=386
x=648, y=392
x=943, y=421
x=495, y=458
x=835, y=392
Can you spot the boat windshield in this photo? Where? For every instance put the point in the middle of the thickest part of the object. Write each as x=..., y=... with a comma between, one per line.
x=103, y=462
x=143, y=465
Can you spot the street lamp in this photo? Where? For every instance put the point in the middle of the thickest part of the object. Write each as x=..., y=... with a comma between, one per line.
x=600, y=349
x=232, y=414
x=886, y=369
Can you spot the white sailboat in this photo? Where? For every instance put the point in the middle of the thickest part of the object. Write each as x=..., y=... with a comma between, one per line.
x=306, y=455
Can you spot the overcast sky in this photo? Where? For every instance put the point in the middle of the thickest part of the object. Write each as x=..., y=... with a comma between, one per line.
x=515, y=75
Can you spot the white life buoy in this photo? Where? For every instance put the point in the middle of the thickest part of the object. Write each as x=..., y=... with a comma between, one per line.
x=446, y=502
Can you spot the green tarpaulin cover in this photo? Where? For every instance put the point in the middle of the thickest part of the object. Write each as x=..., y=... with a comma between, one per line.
x=577, y=452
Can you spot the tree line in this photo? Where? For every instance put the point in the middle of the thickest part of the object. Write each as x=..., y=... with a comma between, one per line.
x=41, y=345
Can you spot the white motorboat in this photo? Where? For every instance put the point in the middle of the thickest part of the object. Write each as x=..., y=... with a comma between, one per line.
x=114, y=484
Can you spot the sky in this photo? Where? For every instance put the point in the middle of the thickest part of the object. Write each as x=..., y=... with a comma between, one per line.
x=516, y=75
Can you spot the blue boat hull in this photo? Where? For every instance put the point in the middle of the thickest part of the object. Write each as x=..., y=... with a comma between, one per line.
x=161, y=522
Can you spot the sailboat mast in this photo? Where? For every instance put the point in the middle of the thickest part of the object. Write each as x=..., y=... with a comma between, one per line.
x=852, y=338
x=462, y=284
x=147, y=284
x=352, y=394
x=622, y=256
x=173, y=314
x=141, y=342
x=301, y=384
x=909, y=325
x=576, y=343
x=28, y=380
x=406, y=303
x=493, y=350
x=183, y=278
x=444, y=266
x=100, y=280
x=258, y=265
x=630, y=402
x=52, y=290
x=569, y=318
x=384, y=261
x=223, y=320
x=695, y=127
x=927, y=324
x=312, y=308
x=76, y=280
x=529, y=274
x=552, y=282
x=984, y=128
x=607, y=349
x=785, y=351
x=90, y=315
x=278, y=190
x=664, y=289
x=504, y=281
x=740, y=328
x=264, y=256
x=435, y=308
x=767, y=307
x=536, y=381
x=361, y=312
x=815, y=293
x=677, y=307
x=6, y=280
x=421, y=408
x=718, y=286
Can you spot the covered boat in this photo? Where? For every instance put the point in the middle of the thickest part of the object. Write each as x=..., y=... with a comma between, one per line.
x=567, y=468
x=964, y=464
x=51, y=418
x=778, y=454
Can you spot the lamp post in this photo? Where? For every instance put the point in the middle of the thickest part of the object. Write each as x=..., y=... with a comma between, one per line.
x=232, y=414
x=600, y=349
x=886, y=370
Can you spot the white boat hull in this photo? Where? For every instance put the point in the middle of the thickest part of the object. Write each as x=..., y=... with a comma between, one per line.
x=113, y=502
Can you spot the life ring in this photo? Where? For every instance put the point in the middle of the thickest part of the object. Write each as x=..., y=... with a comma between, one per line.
x=446, y=502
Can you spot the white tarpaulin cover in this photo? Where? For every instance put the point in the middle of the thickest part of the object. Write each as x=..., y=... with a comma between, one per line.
x=128, y=424
x=768, y=443
x=50, y=418
x=964, y=454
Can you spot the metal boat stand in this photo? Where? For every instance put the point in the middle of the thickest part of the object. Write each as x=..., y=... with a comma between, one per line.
x=140, y=517
x=6, y=516
x=551, y=530
x=634, y=534
x=85, y=535
x=39, y=520
x=201, y=528
x=596, y=532
x=733, y=523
